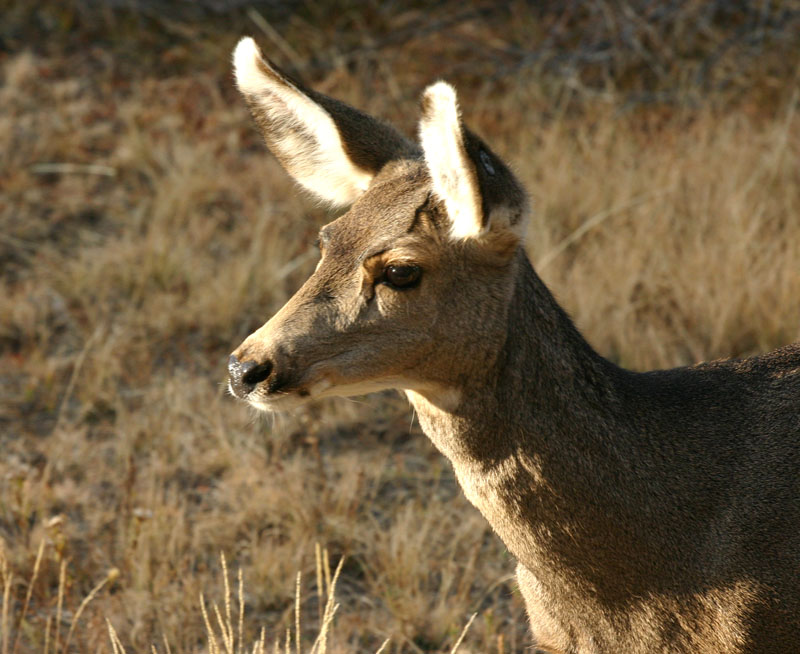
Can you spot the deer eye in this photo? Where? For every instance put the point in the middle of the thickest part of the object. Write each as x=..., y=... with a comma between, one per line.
x=401, y=276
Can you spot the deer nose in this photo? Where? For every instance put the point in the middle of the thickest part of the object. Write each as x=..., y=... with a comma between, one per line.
x=245, y=376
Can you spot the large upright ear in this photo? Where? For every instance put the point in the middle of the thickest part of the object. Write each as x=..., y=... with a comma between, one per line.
x=330, y=148
x=480, y=193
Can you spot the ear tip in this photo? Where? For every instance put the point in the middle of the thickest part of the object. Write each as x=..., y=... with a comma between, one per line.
x=438, y=99
x=440, y=92
x=441, y=89
x=246, y=60
x=246, y=49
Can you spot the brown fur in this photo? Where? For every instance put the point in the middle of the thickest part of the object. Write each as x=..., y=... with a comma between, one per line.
x=649, y=512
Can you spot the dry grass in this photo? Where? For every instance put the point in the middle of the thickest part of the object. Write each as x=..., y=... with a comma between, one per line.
x=672, y=235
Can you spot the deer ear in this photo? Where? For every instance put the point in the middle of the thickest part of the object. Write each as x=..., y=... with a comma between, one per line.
x=329, y=148
x=480, y=193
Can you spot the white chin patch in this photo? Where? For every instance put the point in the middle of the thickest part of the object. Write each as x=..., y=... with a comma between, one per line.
x=276, y=403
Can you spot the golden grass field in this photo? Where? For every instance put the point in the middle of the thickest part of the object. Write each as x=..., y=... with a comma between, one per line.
x=145, y=231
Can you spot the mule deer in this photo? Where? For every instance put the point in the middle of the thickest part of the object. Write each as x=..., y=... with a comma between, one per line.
x=649, y=512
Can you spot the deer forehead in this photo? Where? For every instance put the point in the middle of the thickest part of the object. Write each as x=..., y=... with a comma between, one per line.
x=384, y=215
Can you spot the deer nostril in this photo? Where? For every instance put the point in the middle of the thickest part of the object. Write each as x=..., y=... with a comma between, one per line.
x=245, y=375
x=254, y=373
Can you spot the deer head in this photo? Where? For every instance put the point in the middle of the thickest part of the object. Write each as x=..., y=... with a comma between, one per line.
x=414, y=280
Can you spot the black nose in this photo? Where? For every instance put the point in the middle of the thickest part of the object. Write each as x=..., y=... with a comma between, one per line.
x=244, y=376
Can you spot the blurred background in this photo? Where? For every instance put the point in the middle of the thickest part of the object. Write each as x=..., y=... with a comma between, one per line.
x=145, y=231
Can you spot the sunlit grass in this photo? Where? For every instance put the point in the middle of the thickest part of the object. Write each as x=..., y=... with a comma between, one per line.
x=225, y=626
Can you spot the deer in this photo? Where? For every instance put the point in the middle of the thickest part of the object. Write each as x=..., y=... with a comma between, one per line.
x=647, y=511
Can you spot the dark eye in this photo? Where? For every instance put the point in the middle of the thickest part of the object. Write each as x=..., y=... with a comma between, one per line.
x=402, y=276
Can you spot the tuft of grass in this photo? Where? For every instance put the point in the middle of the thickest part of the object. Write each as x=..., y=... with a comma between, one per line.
x=14, y=629
x=225, y=635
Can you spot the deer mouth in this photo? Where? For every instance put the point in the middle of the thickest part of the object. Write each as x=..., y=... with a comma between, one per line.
x=279, y=385
x=277, y=402
x=265, y=399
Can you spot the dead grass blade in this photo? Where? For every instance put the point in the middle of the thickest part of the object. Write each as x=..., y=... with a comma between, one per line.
x=274, y=36
x=25, y=606
x=112, y=575
x=62, y=582
x=73, y=169
x=7, y=578
x=463, y=633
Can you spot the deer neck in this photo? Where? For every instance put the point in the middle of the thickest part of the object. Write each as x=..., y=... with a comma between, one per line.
x=531, y=426
x=543, y=383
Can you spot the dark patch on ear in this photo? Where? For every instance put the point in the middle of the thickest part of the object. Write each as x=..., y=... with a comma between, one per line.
x=370, y=143
x=271, y=70
x=487, y=163
x=498, y=186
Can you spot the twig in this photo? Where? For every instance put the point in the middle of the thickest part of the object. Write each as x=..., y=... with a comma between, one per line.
x=592, y=222
x=112, y=574
x=241, y=612
x=7, y=577
x=297, y=612
x=74, y=376
x=28, y=594
x=62, y=582
x=73, y=169
x=463, y=633
x=273, y=35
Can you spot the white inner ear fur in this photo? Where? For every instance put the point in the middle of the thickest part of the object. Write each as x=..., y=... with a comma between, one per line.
x=320, y=163
x=453, y=176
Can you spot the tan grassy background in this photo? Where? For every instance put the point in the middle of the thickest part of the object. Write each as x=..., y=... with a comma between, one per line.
x=145, y=230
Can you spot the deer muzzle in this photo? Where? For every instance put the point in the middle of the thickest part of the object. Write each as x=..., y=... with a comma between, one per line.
x=245, y=376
